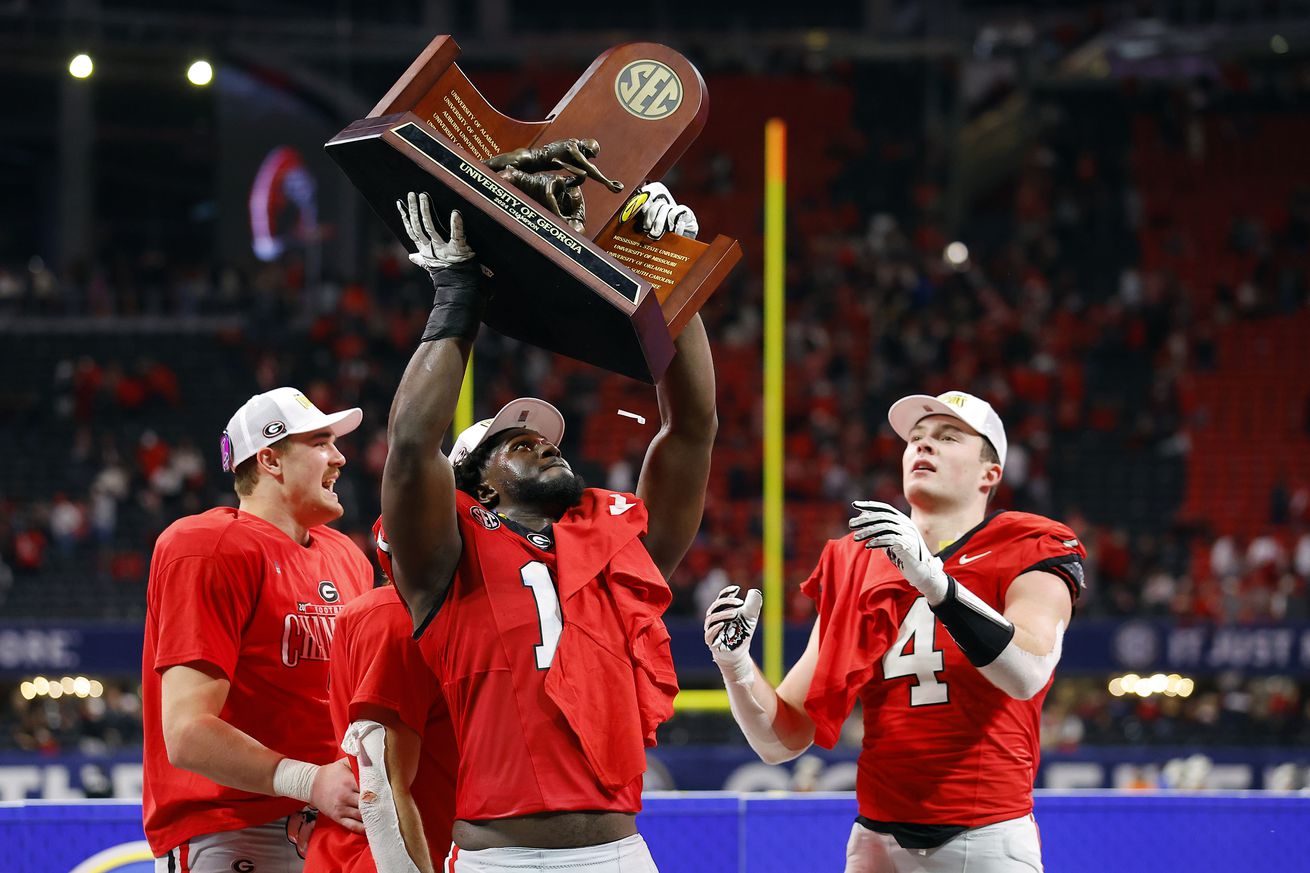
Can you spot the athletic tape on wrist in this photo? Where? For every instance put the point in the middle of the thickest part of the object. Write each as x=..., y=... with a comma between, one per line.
x=981, y=632
x=366, y=740
x=457, y=306
x=294, y=778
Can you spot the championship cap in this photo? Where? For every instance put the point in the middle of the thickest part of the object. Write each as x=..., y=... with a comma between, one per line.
x=973, y=411
x=266, y=418
x=528, y=412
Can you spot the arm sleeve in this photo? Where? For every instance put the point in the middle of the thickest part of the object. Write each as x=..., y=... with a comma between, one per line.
x=205, y=603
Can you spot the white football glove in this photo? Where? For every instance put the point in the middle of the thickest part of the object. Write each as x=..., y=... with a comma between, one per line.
x=729, y=625
x=434, y=252
x=661, y=214
x=883, y=526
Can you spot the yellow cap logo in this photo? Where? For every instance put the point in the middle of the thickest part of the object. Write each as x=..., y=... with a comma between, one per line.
x=956, y=400
x=304, y=401
x=648, y=89
x=630, y=208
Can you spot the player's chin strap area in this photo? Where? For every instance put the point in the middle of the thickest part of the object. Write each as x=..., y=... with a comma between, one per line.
x=367, y=742
x=987, y=639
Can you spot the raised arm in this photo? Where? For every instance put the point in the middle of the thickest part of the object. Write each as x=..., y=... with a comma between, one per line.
x=774, y=722
x=677, y=466
x=418, y=482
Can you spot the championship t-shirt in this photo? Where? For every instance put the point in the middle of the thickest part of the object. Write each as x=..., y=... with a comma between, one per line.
x=233, y=592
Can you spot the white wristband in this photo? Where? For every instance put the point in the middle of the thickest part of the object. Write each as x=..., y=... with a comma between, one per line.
x=736, y=666
x=294, y=778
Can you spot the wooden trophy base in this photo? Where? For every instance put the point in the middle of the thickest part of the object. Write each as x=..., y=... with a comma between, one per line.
x=605, y=295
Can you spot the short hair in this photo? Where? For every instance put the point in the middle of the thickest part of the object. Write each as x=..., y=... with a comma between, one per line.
x=470, y=471
x=247, y=472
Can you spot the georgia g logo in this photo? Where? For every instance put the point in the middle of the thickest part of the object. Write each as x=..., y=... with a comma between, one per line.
x=275, y=429
x=243, y=865
x=648, y=89
x=327, y=589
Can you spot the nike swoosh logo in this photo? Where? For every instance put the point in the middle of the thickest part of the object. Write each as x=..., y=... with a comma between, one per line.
x=969, y=559
x=620, y=504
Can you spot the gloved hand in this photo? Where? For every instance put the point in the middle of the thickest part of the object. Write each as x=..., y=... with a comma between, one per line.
x=661, y=214
x=434, y=253
x=883, y=526
x=729, y=625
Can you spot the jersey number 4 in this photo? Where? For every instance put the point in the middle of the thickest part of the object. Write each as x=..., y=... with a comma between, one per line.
x=536, y=576
x=917, y=636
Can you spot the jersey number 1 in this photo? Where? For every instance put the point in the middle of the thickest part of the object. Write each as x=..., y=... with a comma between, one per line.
x=918, y=631
x=536, y=576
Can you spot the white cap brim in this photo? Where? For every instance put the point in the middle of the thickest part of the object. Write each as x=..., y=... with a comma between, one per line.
x=908, y=411
x=530, y=413
x=339, y=423
x=525, y=412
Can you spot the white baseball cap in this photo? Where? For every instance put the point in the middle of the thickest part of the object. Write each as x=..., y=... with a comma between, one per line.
x=527, y=412
x=973, y=411
x=266, y=418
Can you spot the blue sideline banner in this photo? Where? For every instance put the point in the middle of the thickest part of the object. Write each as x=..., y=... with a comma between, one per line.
x=724, y=833
x=1094, y=647
x=726, y=768
x=1090, y=647
x=104, y=649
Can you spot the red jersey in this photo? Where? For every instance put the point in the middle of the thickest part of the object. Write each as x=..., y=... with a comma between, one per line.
x=231, y=590
x=942, y=745
x=376, y=662
x=554, y=659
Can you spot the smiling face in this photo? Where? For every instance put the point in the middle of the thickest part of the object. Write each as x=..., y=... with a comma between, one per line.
x=310, y=464
x=526, y=469
x=944, y=465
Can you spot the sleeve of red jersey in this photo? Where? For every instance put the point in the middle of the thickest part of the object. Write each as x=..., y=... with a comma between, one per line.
x=1055, y=549
x=204, y=603
x=387, y=667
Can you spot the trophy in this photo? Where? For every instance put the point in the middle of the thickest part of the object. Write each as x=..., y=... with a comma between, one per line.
x=549, y=205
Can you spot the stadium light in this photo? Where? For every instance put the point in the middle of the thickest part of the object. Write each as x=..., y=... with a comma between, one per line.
x=1278, y=43
x=956, y=254
x=81, y=66
x=79, y=686
x=200, y=73
x=1172, y=685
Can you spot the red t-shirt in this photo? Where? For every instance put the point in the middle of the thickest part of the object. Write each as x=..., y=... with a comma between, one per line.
x=553, y=659
x=231, y=590
x=942, y=745
x=376, y=661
